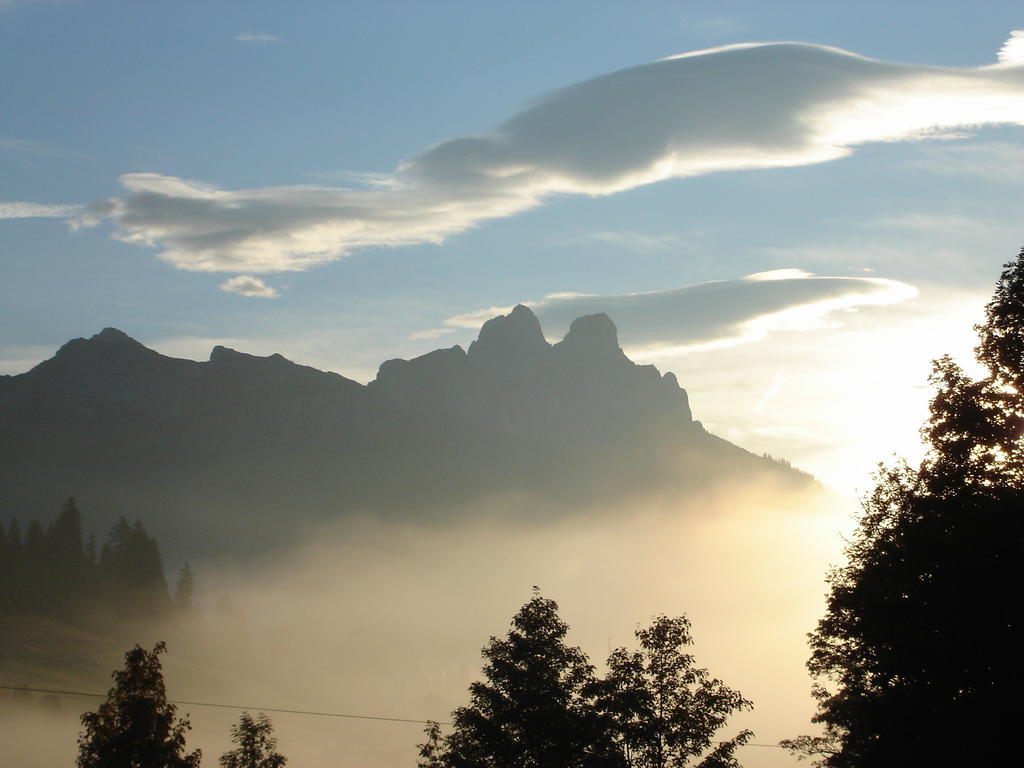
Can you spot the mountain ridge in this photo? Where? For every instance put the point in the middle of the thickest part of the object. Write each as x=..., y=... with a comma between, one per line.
x=271, y=445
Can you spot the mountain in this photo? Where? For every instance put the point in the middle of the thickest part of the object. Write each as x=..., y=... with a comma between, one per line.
x=206, y=451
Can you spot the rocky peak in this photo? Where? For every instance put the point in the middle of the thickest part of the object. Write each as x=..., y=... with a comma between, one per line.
x=592, y=336
x=510, y=336
x=108, y=346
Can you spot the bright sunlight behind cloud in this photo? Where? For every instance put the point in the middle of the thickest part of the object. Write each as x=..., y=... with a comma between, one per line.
x=732, y=108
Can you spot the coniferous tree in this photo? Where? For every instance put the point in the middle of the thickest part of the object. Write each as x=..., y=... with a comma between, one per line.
x=63, y=579
x=257, y=747
x=136, y=726
x=533, y=710
x=922, y=634
x=184, y=591
x=665, y=710
x=64, y=536
x=132, y=570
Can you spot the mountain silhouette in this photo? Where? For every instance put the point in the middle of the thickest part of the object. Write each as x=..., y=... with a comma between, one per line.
x=242, y=452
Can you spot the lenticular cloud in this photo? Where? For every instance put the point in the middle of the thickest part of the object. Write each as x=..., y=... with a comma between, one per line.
x=720, y=313
x=733, y=108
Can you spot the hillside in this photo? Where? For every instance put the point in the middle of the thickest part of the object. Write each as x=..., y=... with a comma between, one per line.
x=203, y=450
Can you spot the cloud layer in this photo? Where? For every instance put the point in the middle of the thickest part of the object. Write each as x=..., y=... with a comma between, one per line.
x=732, y=108
x=713, y=314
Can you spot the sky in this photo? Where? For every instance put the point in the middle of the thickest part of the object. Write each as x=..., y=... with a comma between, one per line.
x=795, y=230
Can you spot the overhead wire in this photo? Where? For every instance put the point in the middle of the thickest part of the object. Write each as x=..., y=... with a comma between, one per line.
x=278, y=710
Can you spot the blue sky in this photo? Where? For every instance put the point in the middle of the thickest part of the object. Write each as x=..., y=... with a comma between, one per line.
x=254, y=98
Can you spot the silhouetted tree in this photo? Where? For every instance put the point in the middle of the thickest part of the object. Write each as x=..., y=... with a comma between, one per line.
x=533, y=710
x=61, y=575
x=431, y=751
x=923, y=632
x=184, y=590
x=663, y=709
x=64, y=536
x=133, y=571
x=136, y=727
x=257, y=747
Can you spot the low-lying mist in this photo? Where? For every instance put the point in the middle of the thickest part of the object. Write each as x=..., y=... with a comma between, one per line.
x=387, y=619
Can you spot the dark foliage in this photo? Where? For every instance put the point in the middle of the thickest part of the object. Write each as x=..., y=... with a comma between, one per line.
x=431, y=751
x=136, y=726
x=542, y=706
x=533, y=710
x=923, y=632
x=53, y=573
x=663, y=710
x=257, y=747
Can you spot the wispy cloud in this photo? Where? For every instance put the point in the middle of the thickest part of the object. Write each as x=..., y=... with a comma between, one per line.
x=247, y=285
x=256, y=37
x=713, y=314
x=27, y=146
x=731, y=108
x=20, y=210
x=629, y=240
x=430, y=333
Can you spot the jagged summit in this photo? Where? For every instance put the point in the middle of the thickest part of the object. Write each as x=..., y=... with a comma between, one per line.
x=514, y=334
x=593, y=336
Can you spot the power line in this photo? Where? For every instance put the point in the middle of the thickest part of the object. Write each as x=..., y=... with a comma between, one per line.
x=272, y=709
x=233, y=706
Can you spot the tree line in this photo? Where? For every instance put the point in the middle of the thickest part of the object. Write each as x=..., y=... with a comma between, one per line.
x=56, y=571
x=540, y=705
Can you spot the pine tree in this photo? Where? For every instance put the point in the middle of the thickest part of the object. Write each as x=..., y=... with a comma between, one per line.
x=257, y=747
x=136, y=726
